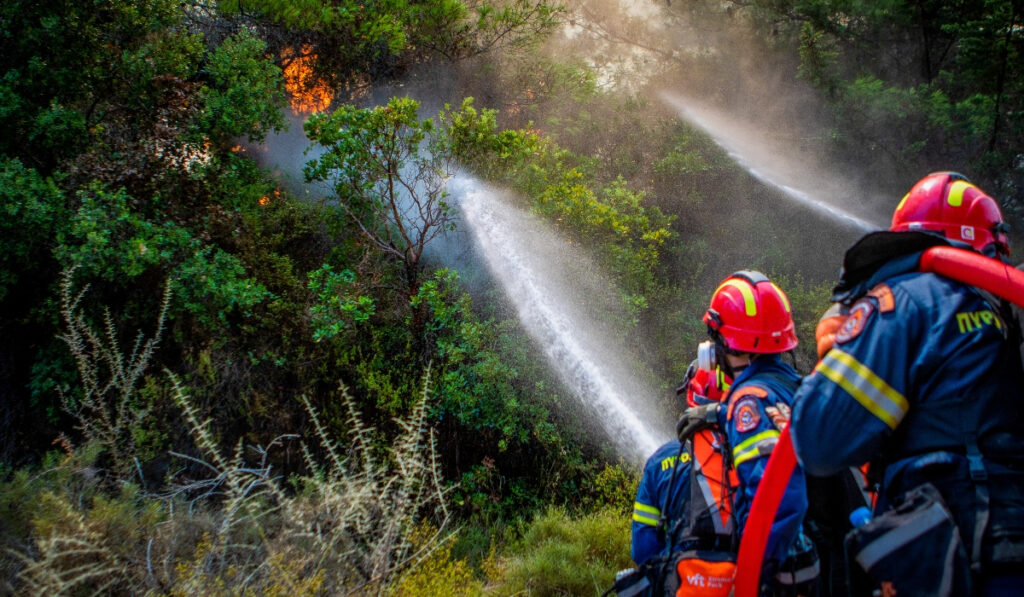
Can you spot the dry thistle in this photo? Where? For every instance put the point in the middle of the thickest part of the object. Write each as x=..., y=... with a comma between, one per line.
x=105, y=412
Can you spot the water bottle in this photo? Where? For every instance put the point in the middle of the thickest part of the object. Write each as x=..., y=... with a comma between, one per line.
x=860, y=517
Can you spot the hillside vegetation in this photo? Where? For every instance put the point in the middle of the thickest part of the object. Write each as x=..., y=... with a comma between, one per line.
x=210, y=385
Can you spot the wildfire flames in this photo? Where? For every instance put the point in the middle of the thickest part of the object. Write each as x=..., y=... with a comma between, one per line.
x=265, y=200
x=308, y=95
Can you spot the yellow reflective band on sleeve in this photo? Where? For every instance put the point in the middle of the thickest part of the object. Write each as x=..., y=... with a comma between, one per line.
x=866, y=387
x=645, y=514
x=749, y=304
x=751, y=447
x=955, y=198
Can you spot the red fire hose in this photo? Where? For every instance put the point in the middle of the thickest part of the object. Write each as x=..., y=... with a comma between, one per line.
x=975, y=269
x=965, y=266
x=762, y=513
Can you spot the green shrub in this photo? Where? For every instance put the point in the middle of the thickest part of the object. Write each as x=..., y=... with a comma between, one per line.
x=614, y=488
x=558, y=555
x=438, y=574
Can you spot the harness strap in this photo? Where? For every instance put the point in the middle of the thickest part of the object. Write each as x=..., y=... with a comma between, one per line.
x=678, y=528
x=669, y=527
x=979, y=477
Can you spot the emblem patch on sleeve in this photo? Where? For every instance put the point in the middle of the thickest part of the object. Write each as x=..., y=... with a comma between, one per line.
x=747, y=414
x=855, y=322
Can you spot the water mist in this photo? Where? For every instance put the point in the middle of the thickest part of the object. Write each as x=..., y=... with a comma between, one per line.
x=535, y=271
x=774, y=164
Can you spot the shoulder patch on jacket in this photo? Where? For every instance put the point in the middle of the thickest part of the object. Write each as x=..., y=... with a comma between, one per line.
x=855, y=321
x=748, y=416
x=753, y=392
x=883, y=293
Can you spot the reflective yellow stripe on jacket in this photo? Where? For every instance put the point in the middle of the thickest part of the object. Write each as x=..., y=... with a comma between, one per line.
x=752, y=446
x=645, y=514
x=866, y=387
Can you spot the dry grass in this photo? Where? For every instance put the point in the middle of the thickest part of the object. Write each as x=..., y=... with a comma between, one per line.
x=354, y=525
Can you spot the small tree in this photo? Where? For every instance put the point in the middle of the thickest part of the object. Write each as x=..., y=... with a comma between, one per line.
x=389, y=170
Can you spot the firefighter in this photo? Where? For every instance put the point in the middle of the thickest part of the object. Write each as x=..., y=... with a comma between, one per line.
x=751, y=326
x=924, y=382
x=662, y=512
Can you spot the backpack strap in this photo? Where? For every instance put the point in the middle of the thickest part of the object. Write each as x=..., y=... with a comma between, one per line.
x=668, y=522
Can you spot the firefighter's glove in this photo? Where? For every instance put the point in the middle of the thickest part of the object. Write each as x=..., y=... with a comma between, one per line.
x=697, y=418
x=828, y=325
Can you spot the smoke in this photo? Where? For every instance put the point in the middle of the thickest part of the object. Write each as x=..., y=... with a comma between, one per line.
x=285, y=153
x=736, y=83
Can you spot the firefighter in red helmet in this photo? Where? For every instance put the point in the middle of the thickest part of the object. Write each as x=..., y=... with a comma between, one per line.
x=924, y=382
x=750, y=324
x=662, y=509
x=684, y=499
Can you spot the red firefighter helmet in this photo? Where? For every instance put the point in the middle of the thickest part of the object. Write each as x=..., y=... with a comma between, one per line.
x=749, y=313
x=947, y=202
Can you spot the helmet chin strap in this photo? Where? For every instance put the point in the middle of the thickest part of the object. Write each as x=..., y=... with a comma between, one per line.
x=722, y=357
x=737, y=370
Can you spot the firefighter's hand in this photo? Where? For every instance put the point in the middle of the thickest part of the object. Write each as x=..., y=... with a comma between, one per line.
x=697, y=418
x=828, y=325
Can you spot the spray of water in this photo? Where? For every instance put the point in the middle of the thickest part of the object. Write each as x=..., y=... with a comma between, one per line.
x=524, y=258
x=782, y=168
x=531, y=271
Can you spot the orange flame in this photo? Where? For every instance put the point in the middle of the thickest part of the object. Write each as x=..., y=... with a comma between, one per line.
x=307, y=95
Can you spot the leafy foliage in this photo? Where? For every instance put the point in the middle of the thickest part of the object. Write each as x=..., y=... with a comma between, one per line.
x=370, y=36
x=33, y=206
x=244, y=95
x=390, y=170
x=336, y=309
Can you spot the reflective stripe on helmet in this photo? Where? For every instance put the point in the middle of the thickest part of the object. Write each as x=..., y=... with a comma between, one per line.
x=782, y=295
x=902, y=202
x=747, y=290
x=957, y=188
